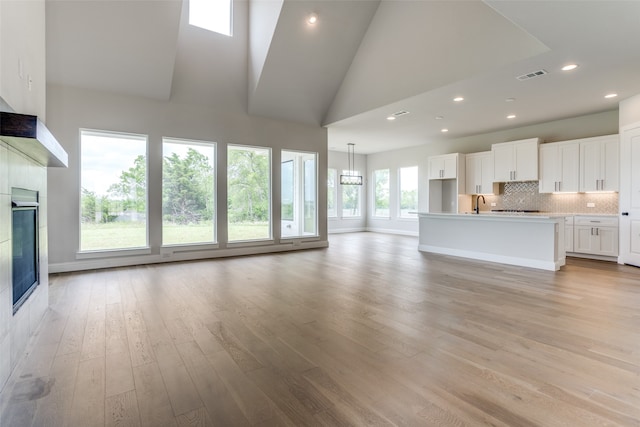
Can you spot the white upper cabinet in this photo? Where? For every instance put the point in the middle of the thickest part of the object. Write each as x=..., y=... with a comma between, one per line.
x=479, y=173
x=599, y=163
x=559, y=167
x=444, y=166
x=516, y=160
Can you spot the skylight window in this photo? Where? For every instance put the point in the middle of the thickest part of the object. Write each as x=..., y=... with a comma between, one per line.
x=212, y=15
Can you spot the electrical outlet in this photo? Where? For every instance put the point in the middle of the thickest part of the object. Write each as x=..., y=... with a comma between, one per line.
x=591, y=205
x=493, y=204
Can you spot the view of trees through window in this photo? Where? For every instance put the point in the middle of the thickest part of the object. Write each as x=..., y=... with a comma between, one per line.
x=188, y=188
x=381, y=196
x=248, y=193
x=332, y=195
x=351, y=198
x=113, y=199
x=408, y=192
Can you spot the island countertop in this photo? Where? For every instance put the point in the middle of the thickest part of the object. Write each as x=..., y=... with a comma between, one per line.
x=518, y=216
x=525, y=239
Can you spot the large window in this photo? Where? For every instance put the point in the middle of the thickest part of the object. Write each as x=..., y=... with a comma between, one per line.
x=249, y=193
x=408, y=192
x=212, y=15
x=332, y=194
x=381, y=193
x=351, y=198
x=188, y=188
x=298, y=196
x=113, y=199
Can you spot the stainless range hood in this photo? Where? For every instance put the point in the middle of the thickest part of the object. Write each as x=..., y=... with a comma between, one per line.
x=29, y=135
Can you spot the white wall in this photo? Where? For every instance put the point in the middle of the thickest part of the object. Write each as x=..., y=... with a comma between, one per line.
x=579, y=127
x=22, y=56
x=70, y=109
x=339, y=161
x=630, y=111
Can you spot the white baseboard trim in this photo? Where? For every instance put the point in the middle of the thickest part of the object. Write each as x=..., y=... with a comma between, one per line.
x=393, y=231
x=591, y=256
x=94, y=264
x=347, y=230
x=502, y=259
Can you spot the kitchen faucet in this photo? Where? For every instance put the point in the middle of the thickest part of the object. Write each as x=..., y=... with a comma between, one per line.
x=477, y=209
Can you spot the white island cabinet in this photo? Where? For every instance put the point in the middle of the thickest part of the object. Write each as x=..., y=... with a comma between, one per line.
x=535, y=241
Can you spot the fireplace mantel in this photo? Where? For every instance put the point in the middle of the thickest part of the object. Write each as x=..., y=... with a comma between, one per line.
x=27, y=134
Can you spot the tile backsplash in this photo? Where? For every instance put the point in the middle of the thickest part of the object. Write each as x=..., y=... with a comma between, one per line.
x=525, y=196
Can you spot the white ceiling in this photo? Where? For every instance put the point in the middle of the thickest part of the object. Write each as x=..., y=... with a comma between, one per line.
x=362, y=61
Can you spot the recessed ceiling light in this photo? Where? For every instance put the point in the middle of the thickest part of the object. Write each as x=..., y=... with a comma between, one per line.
x=611, y=95
x=509, y=99
x=439, y=117
x=391, y=118
x=444, y=130
x=458, y=99
x=312, y=18
x=511, y=116
x=569, y=67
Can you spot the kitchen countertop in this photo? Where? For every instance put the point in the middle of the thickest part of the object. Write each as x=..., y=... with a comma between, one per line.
x=498, y=215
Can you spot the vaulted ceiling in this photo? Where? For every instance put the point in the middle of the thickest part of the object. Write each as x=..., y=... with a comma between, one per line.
x=362, y=61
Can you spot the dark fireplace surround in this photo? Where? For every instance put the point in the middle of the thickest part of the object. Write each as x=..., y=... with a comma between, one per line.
x=25, y=245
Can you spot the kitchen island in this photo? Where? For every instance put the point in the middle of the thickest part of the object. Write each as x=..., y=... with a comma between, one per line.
x=528, y=240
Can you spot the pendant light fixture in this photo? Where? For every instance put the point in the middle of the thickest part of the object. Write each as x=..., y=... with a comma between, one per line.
x=351, y=178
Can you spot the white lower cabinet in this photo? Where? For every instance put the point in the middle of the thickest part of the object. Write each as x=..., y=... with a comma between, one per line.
x=595, y=235
x=568, y=234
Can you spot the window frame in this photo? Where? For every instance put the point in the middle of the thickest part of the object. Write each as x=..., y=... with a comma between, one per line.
x=374, y=201
x=335, y=193
x=258, y=241
x=110, y=252
x=348, y=217
x=299, y=172
x=213, y=244
x=195, y=20
x=408, y=216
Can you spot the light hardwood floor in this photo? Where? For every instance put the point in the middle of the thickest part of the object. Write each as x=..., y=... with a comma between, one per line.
x=367, y=332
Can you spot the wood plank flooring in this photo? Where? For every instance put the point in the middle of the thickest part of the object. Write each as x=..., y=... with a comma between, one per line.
x=367, y=332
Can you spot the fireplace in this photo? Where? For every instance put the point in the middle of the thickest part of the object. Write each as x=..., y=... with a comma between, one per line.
x=25, y=252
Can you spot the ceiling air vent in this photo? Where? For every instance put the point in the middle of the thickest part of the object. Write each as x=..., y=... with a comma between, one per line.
x=532, y=75
x=400, y=113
